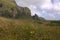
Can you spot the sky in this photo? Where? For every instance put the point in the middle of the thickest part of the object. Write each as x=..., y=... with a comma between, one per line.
x=48, y=9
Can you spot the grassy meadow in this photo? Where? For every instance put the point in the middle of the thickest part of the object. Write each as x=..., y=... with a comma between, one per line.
x=27, y=29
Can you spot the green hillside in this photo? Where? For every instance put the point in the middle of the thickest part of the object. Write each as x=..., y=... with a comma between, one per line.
x=9, y=8
x=16, y=23
x=26, y=29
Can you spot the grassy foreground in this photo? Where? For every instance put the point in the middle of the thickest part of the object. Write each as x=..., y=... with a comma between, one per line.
x=26, y=29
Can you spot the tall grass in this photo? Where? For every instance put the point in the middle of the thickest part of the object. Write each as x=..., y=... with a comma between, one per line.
x=22, y=29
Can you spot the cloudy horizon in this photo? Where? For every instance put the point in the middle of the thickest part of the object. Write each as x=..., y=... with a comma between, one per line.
x=48, y=9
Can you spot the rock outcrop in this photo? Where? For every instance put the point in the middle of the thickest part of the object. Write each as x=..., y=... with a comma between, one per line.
x=9, y=8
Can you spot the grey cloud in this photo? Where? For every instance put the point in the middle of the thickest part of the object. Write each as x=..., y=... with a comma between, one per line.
x=29, y=2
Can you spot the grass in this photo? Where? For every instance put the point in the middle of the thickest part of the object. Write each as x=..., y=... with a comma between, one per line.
x=27, y=29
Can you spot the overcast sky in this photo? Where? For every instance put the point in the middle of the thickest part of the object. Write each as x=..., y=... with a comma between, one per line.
x=49, y=9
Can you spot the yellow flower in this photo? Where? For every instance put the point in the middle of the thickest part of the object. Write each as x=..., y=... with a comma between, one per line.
x=32, y=32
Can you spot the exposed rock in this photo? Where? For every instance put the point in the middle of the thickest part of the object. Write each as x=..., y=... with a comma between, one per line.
x=36, y=17
x=9, y=8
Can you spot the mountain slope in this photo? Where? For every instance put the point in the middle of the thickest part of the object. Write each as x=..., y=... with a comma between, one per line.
x=36, y=17
x=9, y=8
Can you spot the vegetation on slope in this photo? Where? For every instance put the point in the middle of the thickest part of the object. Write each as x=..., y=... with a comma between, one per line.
x=24, y=29
x=9, y=8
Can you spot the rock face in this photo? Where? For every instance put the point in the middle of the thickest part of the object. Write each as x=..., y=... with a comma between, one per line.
x=9, y=8
x=35, y=17
x=23, y=12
